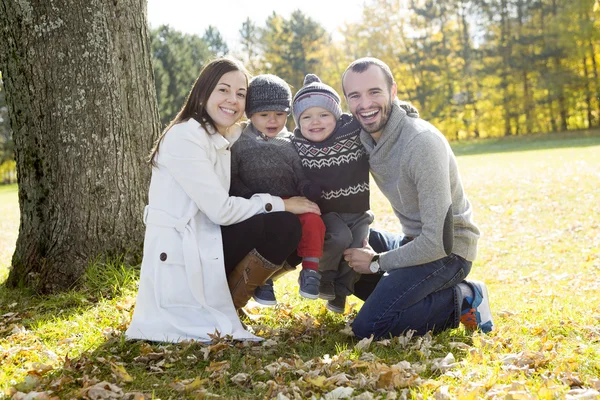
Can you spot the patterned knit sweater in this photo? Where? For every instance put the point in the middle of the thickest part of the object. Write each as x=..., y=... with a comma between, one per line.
x=260, y=164
x=339, y=165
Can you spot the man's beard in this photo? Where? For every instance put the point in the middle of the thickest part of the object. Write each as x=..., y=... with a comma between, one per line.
x=385, y=112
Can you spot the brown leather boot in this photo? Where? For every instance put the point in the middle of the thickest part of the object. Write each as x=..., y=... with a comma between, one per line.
x=285, y=268
x=252, y=272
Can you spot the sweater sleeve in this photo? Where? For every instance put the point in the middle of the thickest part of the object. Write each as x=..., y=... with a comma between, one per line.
x=428, y=167
x=238, y=187
x=185, y=156
x=306, y=188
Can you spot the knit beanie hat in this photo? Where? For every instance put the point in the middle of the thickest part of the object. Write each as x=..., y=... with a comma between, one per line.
x=315, y=93
x=268, y=93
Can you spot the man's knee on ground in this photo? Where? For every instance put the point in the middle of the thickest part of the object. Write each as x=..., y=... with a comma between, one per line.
x=362, y=327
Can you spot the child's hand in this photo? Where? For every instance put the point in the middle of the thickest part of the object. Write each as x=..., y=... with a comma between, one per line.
x=301, y=205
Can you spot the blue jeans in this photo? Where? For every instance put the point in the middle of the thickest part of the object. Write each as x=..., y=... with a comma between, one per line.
x=421, y=298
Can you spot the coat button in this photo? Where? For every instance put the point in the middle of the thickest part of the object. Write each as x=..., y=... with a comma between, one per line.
x=268, y=207
x=163, y=256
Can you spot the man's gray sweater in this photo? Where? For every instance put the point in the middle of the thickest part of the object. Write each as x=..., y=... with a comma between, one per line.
x=415, y=168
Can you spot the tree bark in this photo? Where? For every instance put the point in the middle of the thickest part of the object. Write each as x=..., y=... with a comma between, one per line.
x=82, y=106
x=505, y=72
x=562, y=102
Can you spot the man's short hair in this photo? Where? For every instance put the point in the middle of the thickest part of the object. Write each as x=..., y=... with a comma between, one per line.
x=362, y=64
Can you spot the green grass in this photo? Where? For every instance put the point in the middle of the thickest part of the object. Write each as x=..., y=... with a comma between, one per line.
x=537, y=202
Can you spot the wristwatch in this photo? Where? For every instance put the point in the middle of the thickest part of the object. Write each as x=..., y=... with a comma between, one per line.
x=375, y=267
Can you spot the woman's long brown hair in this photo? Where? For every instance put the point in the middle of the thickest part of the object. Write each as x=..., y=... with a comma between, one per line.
x=195, y=103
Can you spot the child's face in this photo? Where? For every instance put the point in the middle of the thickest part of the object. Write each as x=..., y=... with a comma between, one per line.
x=316, y=124
x=269, y=123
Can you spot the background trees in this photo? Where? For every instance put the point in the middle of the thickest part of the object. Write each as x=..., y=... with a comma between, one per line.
x=473, y=67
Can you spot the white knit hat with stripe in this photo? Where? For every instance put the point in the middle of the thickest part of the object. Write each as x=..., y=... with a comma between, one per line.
x=315, y=93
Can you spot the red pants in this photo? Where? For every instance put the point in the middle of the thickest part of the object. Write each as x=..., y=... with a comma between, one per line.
x=313, y=235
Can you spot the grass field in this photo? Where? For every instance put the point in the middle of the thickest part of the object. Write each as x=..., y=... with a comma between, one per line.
x=537, y=202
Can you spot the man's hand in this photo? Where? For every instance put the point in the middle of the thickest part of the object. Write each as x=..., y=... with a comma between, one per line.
x=360, y=259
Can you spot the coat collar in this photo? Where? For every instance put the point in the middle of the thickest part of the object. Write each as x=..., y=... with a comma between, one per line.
x=217, y=140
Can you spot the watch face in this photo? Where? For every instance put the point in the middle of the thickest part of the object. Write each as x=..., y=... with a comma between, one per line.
x=374, y=267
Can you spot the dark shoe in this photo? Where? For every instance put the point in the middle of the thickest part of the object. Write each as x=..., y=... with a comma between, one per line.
x=265, y=294
x=252, y=272
x=309, y=282
x=337, y=305
x=327, y=290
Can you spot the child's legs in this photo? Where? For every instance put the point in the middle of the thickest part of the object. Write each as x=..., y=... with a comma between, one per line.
x=313, y=234
x=337, y=239
x=358, y=225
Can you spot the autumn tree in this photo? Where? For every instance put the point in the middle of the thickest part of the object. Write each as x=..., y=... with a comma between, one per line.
x=250, y=37
x=177, y=59
x=216, y=43
x=291, y=47
x=82, y=107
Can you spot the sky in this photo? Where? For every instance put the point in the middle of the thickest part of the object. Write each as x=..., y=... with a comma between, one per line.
x=194, y=16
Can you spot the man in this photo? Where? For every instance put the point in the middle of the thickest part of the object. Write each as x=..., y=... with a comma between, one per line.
x=423, y=286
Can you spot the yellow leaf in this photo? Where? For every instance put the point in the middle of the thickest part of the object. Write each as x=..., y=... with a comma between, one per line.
x=318, y=381
x=195, y=384
x=121, y=373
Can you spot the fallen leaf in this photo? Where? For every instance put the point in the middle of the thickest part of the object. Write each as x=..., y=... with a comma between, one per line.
x=338, y=380
x=364, y=343
x=339, y=393
x=444, y=364
x=217, y=366
x=120, y=372
x=195, y=384
x=103, y=391
x=442, y=393
x=240, y=379
x=583, y=394
x=318, y=381
x=269, y=343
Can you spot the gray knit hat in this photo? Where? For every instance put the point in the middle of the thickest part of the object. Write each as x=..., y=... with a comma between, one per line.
x=315, y=93
x=268, y=93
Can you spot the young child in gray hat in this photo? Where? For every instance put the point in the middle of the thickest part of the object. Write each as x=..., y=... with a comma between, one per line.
x=264, y=160
x=333, y=157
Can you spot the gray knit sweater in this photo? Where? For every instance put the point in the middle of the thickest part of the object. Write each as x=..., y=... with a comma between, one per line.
x=260, y=164
x=416, y=170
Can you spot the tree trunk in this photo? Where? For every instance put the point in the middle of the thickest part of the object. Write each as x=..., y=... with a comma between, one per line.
x=588, y=92
x=504, y=74
x=562, y=102
x=596, y=80
x=546, y=70
x=82, y=106
x=524, y=62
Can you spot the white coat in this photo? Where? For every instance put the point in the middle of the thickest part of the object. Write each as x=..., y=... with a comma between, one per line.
x=183, y=292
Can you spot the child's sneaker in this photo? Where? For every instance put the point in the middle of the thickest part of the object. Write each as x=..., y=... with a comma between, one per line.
x=479, y=315
x=265, y=294
x=327, y=290
x=338, y=304
x=309, y=282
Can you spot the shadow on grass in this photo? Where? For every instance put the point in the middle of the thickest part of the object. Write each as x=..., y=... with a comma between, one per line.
x=533, y=142
x=102, y=281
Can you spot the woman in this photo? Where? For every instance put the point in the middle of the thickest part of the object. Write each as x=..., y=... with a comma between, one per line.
x=188, y=257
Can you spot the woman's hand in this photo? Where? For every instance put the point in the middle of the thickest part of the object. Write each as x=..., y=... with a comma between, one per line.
x=301, y=205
